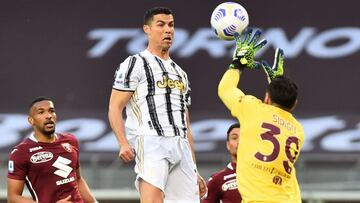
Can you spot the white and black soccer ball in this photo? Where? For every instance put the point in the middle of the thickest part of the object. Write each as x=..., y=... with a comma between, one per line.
x=228, y=18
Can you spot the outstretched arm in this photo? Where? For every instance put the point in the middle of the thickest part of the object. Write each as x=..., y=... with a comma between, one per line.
x=247, y=46
x=227, y=89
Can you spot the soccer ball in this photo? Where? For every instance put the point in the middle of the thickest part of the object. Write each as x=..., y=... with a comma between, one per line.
x=228, y=18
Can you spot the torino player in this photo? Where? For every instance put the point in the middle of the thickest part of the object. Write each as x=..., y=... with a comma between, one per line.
x=47, y=162
x=271, y=137
x=222, y=186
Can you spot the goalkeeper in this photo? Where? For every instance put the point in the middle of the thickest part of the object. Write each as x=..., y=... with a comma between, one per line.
x=271, y=138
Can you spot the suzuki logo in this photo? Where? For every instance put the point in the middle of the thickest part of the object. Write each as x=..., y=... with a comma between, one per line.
x=62, y=164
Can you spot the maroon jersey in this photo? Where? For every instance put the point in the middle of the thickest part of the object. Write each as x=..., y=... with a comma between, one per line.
x=48, y=169
x=222, y=186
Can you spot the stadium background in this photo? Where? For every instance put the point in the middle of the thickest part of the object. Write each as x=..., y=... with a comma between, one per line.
x=69, y=50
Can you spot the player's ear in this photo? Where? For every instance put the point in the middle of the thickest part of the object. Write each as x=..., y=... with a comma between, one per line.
x=30, y=120
x=227, y=145
x=267, y=98
x=146, y=28
x=293, y=107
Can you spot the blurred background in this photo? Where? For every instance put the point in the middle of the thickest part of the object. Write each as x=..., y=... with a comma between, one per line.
x=69, y=51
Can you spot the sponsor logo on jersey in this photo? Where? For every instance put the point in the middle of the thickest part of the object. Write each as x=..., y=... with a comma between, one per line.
x=229, y=176
x=66, y=180
x=277, y=180
x=11, y=166
x=67, y=147
x=63, y=166
x=41, y=157
x=35, y=148
x=170, y=83
x=229, y=185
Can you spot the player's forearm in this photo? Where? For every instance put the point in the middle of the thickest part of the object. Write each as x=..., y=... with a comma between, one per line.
x=191, y=143
x=14, y=191
x=85, y=191
x=18, y=199
x=190, y=136
x=227, y=89
x=117, y=125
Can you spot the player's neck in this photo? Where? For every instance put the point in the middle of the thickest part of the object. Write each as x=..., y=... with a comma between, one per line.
x=233, y=159
x=280, y=107
x=268, y=101
x=162, y=53
x=45, y=138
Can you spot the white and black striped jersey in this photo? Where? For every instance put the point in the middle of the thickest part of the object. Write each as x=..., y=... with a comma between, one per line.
x=161, y=95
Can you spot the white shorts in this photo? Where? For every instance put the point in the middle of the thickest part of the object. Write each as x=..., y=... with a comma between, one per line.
x=167, y=163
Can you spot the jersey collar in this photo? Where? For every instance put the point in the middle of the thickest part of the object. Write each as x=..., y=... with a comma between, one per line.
x=231, y=166
x=32, y=137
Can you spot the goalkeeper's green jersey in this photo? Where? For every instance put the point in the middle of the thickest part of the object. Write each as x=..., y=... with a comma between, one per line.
x=269, y=145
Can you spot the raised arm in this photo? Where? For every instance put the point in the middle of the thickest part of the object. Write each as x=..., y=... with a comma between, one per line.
x=227, y=89
x=247, y=46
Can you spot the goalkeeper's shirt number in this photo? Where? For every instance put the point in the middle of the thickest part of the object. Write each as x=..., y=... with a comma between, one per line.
x=270, y=135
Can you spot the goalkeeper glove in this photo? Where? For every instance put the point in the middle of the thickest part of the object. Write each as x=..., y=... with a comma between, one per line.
x=246, y=48
x=277, y=69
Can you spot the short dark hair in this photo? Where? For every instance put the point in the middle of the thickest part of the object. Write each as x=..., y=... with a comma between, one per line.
x=283, y=92
x=235, y=125
x=38, y=99
x=149, y=14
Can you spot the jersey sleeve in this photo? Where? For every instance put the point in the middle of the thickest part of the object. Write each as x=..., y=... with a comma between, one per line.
x=214, y=193
x=245, y=105
x=188, y=91
x=227, y=89
x=17, y=165
x=127, y=75
x=76, y=146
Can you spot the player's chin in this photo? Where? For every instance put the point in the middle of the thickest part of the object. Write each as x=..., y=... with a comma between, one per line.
x=49, y=130
x=166, y=44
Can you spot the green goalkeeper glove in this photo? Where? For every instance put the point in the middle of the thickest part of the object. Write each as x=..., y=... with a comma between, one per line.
x=246, y=48
x=277, y=69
